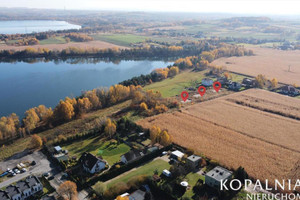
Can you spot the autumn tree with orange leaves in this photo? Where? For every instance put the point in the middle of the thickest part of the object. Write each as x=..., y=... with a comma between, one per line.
x=68, y=191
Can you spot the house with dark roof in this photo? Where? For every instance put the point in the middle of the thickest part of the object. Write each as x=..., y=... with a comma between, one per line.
x=22, y=190
x=289, y=90
x=13, y=192
x=4, y=195
x=131, y=156
x=91, y=163
x=249, y=83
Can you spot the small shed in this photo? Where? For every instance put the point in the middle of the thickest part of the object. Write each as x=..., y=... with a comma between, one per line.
x=57, y=149
x=176, y=155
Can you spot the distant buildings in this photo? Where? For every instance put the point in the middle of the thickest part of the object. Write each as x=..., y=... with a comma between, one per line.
x=214, y=177
x=91, y=163
x=22, y=190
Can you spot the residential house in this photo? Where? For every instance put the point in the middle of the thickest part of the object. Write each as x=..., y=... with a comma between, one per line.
x=234, y=86
x=4, y=195
x=91, y=163
x=223, y=80
x=176, y=155
x=131, y=156
x=214, y=177
x=289, y=90
x=137, y=195
x=152, y=149
x=22, y=190
x=13, y=192
x=207, y=82
x=249, y=83
x=193, y=161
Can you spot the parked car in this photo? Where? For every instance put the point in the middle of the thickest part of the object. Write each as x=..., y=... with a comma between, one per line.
x=13, y=174
x=33, y=163
x=22, y=165
x=46, y=174
x=50, y=178
x=164, y=153
x=17, y=171
x=23, y=170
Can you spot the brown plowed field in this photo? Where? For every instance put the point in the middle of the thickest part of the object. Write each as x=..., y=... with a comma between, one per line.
x=251, y=135
x=91, y=44
x=271, y=62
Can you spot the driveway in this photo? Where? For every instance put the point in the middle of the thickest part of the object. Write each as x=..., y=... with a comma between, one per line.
x=42, y=165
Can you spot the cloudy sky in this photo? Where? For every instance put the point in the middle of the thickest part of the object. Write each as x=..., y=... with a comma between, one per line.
x=280, y=7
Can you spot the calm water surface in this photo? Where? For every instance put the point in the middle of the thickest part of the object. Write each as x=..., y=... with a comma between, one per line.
x=29, y=26
x=24, y=85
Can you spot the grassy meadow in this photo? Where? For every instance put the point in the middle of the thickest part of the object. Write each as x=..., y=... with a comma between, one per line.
x=120, y=39
x=109, y=150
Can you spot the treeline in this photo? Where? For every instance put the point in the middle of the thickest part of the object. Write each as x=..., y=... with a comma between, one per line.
x=25, y=42
x=156, y=75
x=147, y=52
x=78, y=37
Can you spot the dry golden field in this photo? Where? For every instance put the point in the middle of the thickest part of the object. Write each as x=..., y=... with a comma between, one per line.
x=91, y=44
x=266, y=144
x=271, y=62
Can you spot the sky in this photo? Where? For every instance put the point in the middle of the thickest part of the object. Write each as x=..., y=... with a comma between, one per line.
x=274, y=7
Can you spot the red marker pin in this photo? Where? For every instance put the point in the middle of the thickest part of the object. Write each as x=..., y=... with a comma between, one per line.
x=217, y=85
x=184, y=95
x=201, y=90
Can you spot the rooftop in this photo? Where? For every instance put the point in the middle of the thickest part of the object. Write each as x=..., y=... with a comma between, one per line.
x=219, y=173
x=12, y=190
x=194, y=158
x=177, y=153
x=3, y=195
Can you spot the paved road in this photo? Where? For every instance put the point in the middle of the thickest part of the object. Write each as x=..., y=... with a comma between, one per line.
x=42, y=165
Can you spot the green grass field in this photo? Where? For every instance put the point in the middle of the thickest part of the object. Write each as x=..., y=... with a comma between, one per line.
x=147, y=169
x=53, y=40
x=174, y=86
x=120, y=39
x=192, y=179
x=109, y=150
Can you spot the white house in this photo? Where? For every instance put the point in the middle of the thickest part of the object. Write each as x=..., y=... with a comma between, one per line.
x=213, y=177
x=91, y=163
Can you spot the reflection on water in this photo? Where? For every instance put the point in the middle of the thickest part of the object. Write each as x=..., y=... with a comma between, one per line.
x=25, y=85
x=30, y=26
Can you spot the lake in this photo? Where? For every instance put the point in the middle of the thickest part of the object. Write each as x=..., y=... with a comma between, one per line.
x=29, y=26
x=24, y=85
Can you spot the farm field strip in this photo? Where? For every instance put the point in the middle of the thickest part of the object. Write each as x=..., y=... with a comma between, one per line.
x=265, y=144
x=283, y=65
